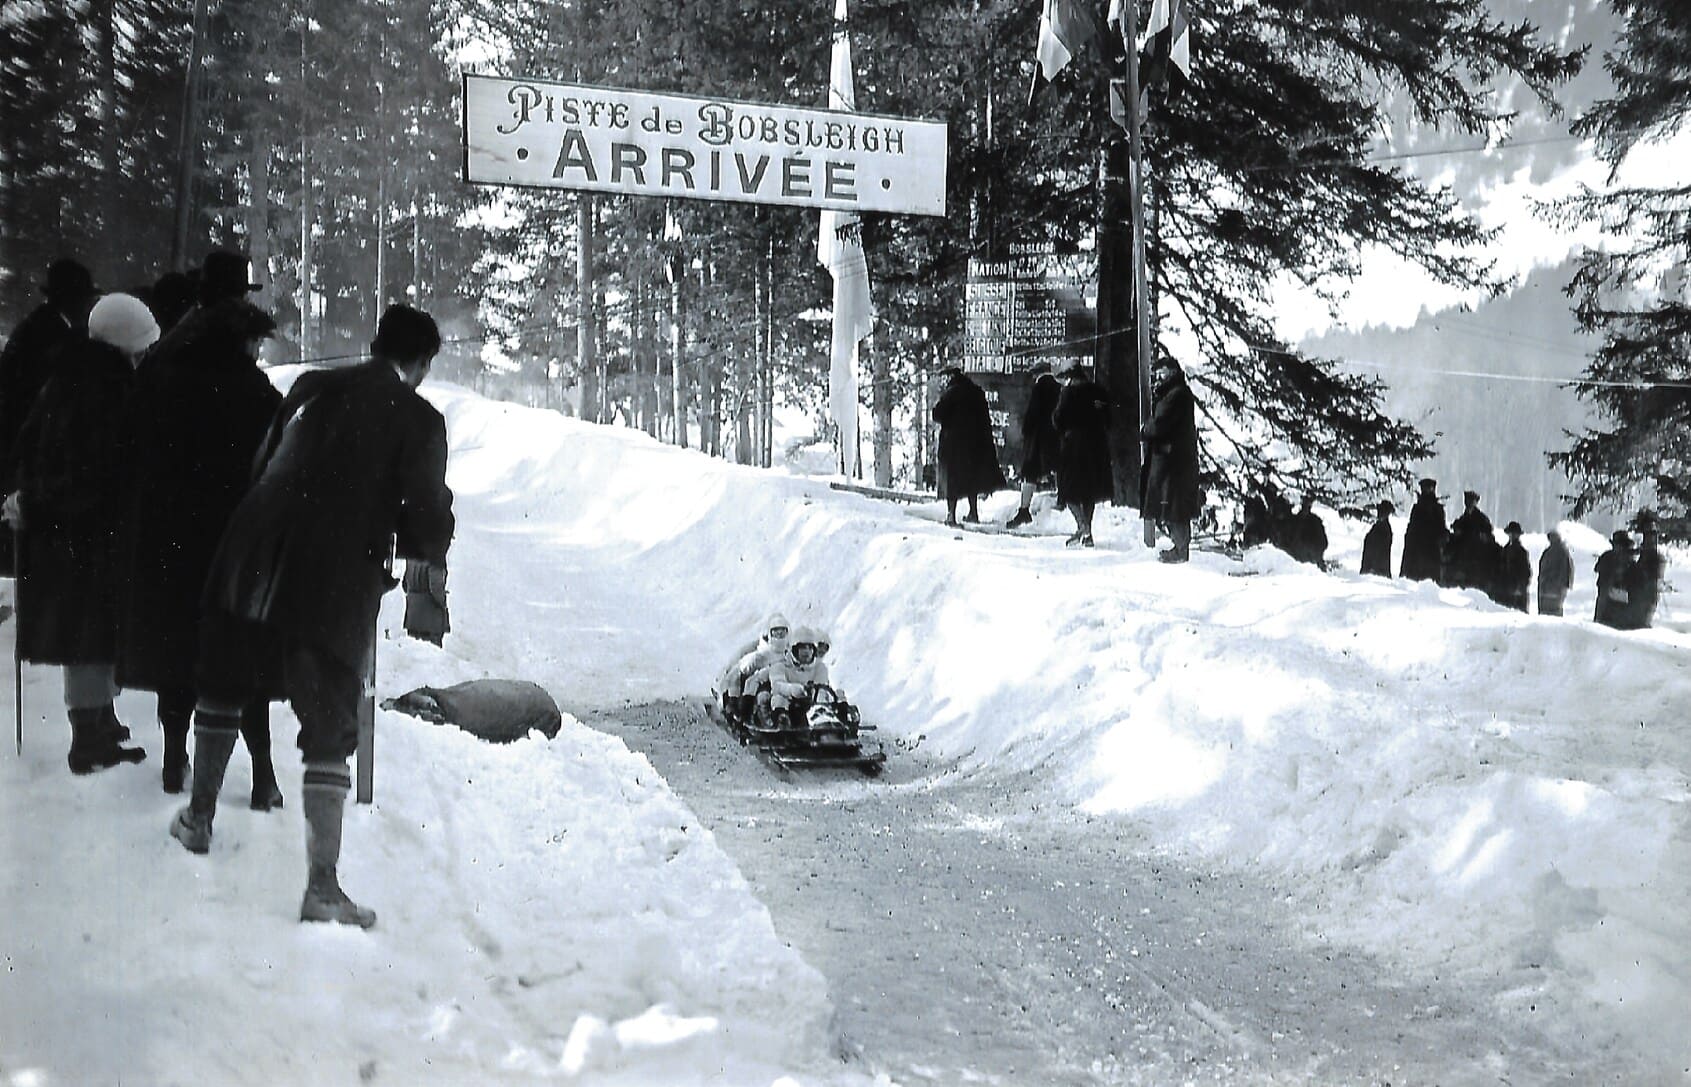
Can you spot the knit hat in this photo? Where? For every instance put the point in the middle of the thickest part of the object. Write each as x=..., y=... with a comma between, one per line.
x=124, y=322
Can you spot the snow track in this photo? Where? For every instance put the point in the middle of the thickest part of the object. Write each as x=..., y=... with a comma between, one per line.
x=970, y=936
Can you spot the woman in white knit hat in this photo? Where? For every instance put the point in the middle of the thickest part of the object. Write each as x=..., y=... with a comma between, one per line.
x=72, y=487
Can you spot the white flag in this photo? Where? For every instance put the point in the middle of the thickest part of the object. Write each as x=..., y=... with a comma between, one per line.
x=839, y=248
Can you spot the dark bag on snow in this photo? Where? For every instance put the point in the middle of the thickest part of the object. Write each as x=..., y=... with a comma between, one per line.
x=496, y=710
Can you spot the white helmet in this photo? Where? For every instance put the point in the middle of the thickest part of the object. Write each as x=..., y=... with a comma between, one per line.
x=802, y=637
x=777, y=622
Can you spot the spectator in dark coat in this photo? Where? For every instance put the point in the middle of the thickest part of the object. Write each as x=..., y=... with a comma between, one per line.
x=171, y=299
x=1614, y=572
x=1514, y=571
x=1084, y=478
x=351, y=472
x=1643, y=582
x=73, y=478
x=1423, y=540
x=1555, y=575
x=1471, y=553
x=1309, y=535
x=201, y=407
x=968, y=461
x=1171, y=465
x=27, y=362
x=426, y=617
x=1040, y=445
x=1377, y=545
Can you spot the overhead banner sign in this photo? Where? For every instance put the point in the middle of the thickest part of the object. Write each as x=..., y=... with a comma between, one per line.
x=569, y=136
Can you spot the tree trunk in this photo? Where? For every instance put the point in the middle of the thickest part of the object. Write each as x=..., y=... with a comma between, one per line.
x=584, y=337
x=258, y=207
x=106, y=29
x=880, y=406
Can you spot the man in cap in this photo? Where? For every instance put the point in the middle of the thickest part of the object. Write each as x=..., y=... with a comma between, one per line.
x=1555, y=575
x=1644, y=581
x=1423, y=540
x=1614, y=566
x=27, y=361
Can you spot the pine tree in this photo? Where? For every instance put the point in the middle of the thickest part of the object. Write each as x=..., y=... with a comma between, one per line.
x=1635, y=295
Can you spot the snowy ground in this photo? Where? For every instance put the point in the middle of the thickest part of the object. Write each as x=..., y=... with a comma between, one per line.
x=1480, y=816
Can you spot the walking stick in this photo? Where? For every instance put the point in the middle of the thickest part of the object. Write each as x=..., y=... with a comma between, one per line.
x=17, y=636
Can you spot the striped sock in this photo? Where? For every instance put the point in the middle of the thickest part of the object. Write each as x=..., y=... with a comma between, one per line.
x=328, y=777
x=215, y=722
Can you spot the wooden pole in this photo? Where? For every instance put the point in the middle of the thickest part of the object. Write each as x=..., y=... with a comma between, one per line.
x=188, y=143
x=1136, y=197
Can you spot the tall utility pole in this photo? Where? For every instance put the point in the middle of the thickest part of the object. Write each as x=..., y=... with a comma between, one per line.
x=188, y=144
x=1136, y=197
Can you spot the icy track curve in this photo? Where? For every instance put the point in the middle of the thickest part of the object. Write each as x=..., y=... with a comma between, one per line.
x=1455, y=788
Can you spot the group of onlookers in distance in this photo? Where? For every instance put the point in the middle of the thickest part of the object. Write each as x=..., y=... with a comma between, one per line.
x=1466, y=555
x=177, y=525
x=1065, y=443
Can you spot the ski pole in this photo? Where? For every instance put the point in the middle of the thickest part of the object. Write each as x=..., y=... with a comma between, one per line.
x=17, y=635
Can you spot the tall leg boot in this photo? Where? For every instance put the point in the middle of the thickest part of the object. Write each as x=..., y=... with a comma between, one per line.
x=93, y=745
x=255, y=730
x=214, y=742
x=324, y=800
x=173, y=721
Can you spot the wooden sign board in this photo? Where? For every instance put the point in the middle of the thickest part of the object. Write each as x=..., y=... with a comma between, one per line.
x=542, y=134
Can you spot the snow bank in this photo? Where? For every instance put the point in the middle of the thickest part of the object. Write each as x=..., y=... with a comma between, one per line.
x=549, y=912
x=1451, y=785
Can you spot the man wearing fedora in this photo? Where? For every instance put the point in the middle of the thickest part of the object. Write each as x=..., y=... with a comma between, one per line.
x=202, y=406
x=1514, y=571
x=1614, y=566
x=1644, y=580
x=27, y=362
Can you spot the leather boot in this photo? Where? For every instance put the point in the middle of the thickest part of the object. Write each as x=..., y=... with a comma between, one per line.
x=214, y=742
x=174, y=724
x=324, y=800
x=93, y=744
x=255, y=730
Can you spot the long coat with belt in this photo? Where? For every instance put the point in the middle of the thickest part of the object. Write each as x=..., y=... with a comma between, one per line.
x=1171, y=470
x=351, y=473
x=201, y=408
x=1083, y=430
x=73, y=479
x=968, y=461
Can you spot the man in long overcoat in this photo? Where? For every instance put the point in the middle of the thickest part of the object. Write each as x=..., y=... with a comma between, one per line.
x=351, y=473
x=968, y=461
x=1471, y=551
x=1423, y=540
x=27, y=362
x=1555, y=575
x=1084, y=478
x=201, y=407
x=1644, y=581
x=1614, y=571
x=1513, y=586
x=1041, y=446
x=1171, y=468
x=1377, y=545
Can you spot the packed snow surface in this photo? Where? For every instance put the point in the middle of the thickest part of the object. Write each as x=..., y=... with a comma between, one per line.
x=1459, y=790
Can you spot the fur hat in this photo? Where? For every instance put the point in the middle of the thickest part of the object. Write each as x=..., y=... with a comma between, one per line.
x=124, y=322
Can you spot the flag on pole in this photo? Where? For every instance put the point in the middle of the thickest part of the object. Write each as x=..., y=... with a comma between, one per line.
x=839, y=248
x=1165, y=53
x=1064, y=29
